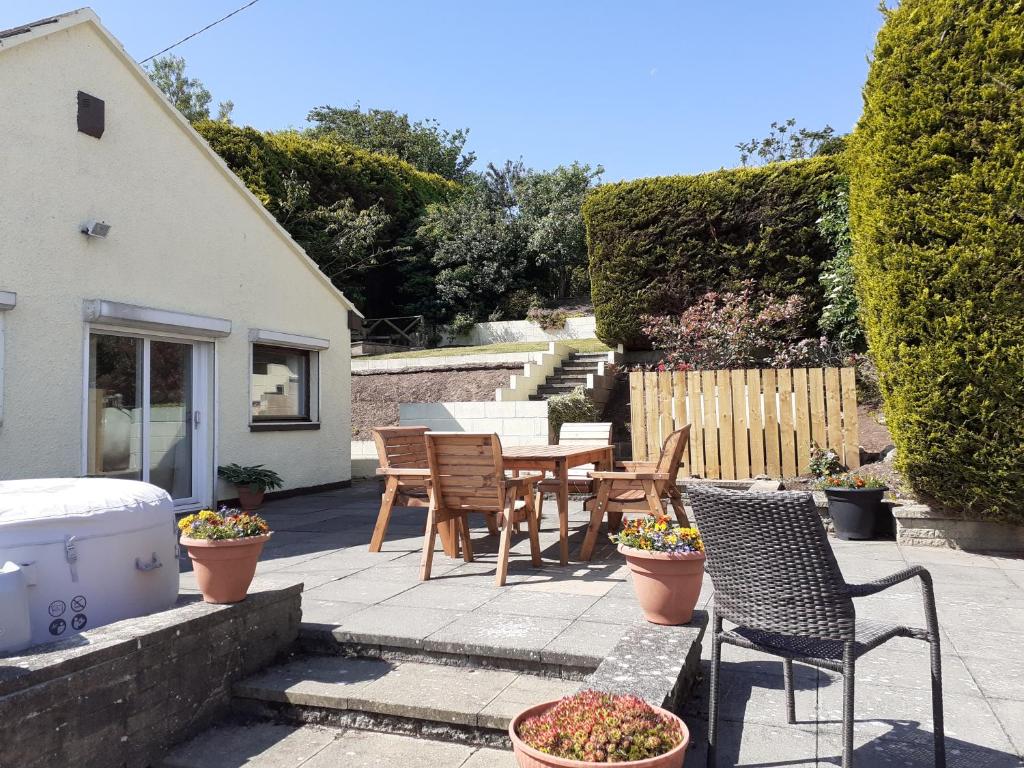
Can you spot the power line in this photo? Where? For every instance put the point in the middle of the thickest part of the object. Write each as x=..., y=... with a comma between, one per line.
x=208, y=26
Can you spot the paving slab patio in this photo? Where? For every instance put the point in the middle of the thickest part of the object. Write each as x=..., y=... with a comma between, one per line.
x=576, y=613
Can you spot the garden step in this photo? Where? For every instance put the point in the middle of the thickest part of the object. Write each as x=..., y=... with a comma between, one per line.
x=555, y=389
x=563, y=379
x=590, y=356
x=460, y=704
x=487, y=651
x=574, y=365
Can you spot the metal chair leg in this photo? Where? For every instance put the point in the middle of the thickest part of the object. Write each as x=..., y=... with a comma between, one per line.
x=716, y=660
x=849, y=671
x=787, y=673
x=932, y=619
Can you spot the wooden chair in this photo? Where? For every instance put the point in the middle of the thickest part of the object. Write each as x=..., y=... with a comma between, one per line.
x=467, y=475
x=580, y=481
x=402, y=452
x=639, y=487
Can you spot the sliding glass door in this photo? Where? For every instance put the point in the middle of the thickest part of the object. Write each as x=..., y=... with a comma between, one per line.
x=147, y=402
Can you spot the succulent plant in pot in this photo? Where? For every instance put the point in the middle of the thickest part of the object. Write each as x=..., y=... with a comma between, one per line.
x=251, y=482
x=598, y=727
x=667, y=562
x=224, y=547
x=854, y=504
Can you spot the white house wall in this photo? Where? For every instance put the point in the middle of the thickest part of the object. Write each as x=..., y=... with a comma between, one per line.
x=182, y=238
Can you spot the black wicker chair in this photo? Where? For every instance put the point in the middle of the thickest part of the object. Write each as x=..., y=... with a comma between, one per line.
x=776, y=577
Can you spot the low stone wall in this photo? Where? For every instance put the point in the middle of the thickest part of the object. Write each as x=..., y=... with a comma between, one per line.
x=122, y=694
x=503, y=331
x=441, y=360
x=919, y=525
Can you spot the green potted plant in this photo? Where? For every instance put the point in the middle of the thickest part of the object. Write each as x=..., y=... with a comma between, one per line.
x=224, y=547
x=667, y=561
x=854, y=504
x=251, y=482
x=597, y=727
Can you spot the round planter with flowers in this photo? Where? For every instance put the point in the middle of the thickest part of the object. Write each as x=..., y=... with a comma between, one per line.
x=597, y=727
x=854, y=504
x=667, y=562
x=224, y=547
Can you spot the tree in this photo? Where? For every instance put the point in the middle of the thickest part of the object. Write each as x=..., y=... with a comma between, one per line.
x=839, y=316
x=347, y=242
x=189, y=95
x=423, y=144
x=479, y=249
x=550, y=204
x=787, y=142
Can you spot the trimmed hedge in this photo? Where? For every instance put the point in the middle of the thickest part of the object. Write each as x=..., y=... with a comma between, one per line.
x=937, y=219
x=334, y=171
x=656, y=245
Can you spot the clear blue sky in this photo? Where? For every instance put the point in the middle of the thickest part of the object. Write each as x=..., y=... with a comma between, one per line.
x=646, y=88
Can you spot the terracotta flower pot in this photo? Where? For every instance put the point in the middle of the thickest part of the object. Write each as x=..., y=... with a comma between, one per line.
x=528, y=757
x=855, y=511
x=666, y=584
x=248, y=498
x=225, y=568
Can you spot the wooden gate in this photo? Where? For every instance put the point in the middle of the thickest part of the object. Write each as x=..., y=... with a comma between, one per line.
x=747, y=422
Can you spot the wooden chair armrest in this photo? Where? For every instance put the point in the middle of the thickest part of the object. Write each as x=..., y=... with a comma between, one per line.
x=629, y=475
x=402, y=472
x=637, y=466
x=523, y=482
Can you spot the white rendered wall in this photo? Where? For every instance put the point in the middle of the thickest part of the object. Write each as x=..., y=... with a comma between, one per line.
x=183, y=238
x=516, y=423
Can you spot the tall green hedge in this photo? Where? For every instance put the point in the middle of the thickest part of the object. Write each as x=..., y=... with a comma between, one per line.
x=334, y=171
x=937, y=219
x=658, y=244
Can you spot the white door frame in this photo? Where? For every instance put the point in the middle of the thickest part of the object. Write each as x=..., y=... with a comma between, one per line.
x=204, y=436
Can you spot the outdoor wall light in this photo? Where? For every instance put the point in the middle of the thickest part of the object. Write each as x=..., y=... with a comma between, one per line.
x=95, y=228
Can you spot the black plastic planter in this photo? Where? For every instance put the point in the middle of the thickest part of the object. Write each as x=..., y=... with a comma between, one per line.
x=854, y=511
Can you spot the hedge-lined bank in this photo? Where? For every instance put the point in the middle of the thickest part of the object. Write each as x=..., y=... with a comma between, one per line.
x=273, y=164
x=656, y=245
x=937, y=219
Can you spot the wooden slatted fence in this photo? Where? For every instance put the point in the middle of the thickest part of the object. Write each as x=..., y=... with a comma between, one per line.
x=746, y=422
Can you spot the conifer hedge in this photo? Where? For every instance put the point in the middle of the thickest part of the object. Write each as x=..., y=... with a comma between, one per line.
x=656, y=245
x=937, y=220
x=333, y=172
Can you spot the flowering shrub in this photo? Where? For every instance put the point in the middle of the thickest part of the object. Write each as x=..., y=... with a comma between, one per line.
x=224, y=524
x=548, y=319
x=597, y=727
x=824, y=463
x=659, y=534
x=731, y=330
x=848, y=480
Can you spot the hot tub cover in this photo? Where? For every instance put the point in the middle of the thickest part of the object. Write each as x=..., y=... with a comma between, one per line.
x=38, y=511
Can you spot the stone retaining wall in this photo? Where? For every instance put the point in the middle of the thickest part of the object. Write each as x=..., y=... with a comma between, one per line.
x=919, y=525
x=122, y=694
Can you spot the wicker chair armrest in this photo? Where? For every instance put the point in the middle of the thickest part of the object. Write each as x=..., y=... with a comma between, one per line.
x=629, y=475
x=402, y=472
x=872, y=587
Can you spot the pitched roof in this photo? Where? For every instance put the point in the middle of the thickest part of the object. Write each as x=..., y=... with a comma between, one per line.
x=15, y=36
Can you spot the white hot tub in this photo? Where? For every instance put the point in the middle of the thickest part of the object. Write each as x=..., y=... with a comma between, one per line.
x=80, y=553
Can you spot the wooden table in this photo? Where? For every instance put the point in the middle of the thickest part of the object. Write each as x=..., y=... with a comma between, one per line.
x=558, y=460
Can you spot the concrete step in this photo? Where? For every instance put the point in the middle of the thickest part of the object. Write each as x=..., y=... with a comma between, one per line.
x=280, y=745
x=556, y=389
x=578, y=356
x=488, y=649
x=577, y=380
x=468, y=706
x=578, y=365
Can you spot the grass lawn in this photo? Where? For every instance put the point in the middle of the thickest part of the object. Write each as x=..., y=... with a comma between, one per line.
x=580, y=345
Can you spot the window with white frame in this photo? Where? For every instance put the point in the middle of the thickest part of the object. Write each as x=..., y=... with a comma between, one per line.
x=284, y=379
